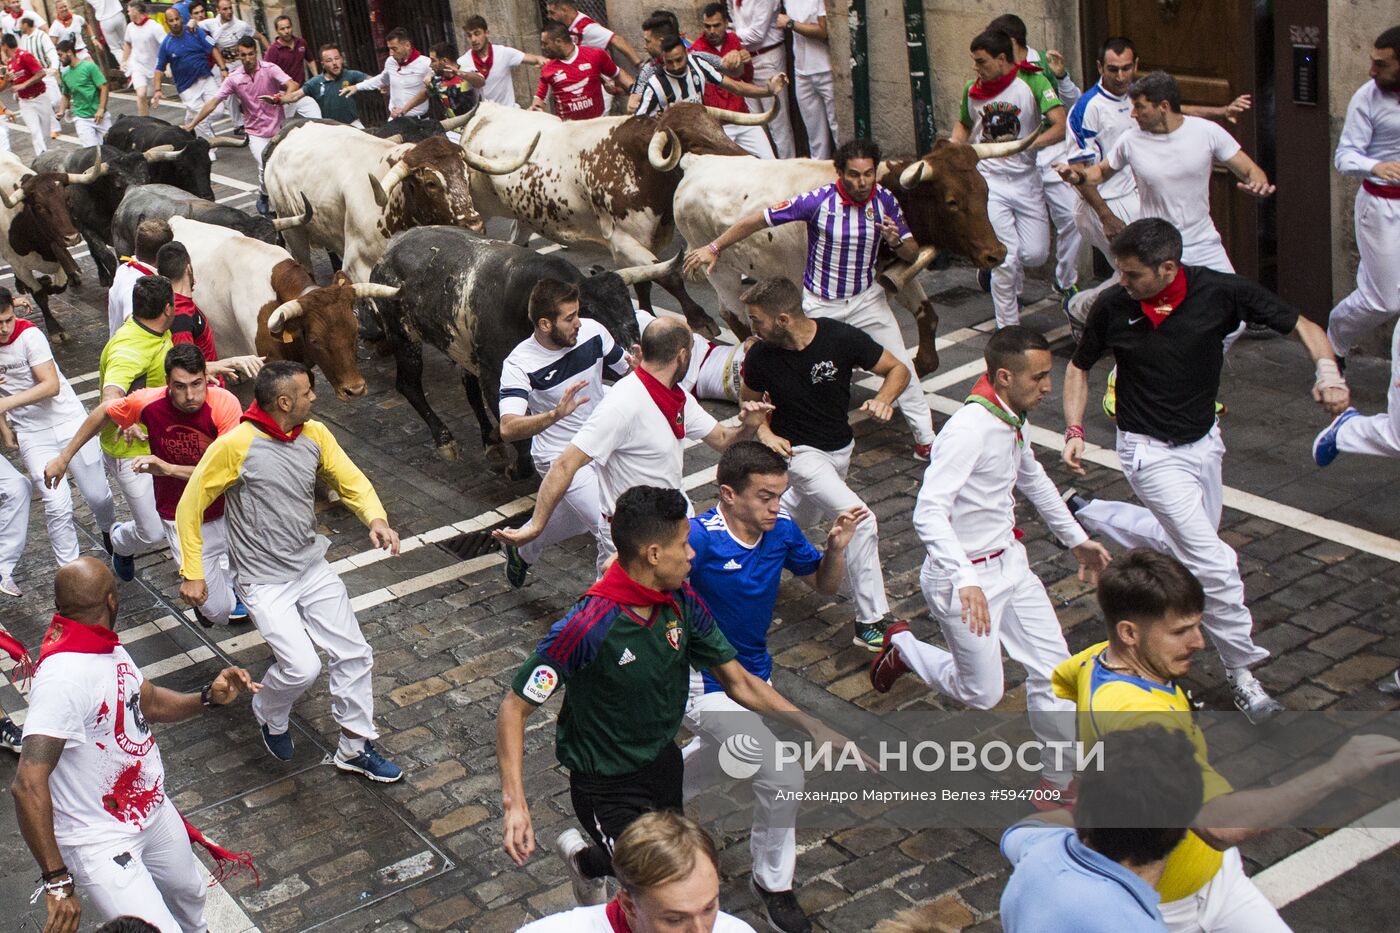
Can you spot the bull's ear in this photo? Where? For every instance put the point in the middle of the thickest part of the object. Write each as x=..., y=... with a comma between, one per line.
x=942, y=143
x=340, y=278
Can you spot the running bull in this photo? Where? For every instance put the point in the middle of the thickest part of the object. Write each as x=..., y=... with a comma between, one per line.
x=176, y=156
x=92, y=206
x=162, y=202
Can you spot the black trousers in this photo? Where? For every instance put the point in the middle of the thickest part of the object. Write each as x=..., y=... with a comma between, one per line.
x=608, y=805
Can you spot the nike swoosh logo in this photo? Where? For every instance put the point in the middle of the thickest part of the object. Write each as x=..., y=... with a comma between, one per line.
x=1134, y=320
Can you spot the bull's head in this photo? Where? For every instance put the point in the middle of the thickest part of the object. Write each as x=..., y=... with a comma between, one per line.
x=187, y=164
x=43, y=222
x=126, y=170
x=605, y=297
x=434, y=184
x=695, y=128
x=321, y=324
x=944, y=198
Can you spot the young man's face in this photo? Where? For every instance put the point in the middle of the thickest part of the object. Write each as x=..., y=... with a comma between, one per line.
x=563, y=330
x=561, y=13
x=989, y=68
x=1167, y=646
x=284, y=30
x=173, y=22
x=674, y=60
x=69, y=59
x=299, y=399
x=60, y=8
x=1150, y=117
x=400, y=49
x=131, y=11
x=554, y=48
x=672, y=559
x=858, y=178
x=1118, y=71
x=685, y=905
x=7, y=318
x=1142, y=281
x=768, y=327
x=187, y=390
x=248, y=57
x=1028, y=382
x=714, y=28
x=226, y=10
x=479, y=40
x=331, y=62
x=1385, y=69
x=758, y=504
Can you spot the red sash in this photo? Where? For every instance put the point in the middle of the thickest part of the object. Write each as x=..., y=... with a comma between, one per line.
x=984, y=90
x=670, y=399
x=1162, y=304
x=21, y=325
x=260, y=419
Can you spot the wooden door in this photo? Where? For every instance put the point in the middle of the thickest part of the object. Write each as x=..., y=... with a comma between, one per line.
x=1209, y=47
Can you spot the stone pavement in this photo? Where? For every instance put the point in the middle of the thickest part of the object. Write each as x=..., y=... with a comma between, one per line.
x=449, y=632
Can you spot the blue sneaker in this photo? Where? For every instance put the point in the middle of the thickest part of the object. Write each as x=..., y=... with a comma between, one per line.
x=279, y=744
x=125, y=567
x=984, y=280
x=1325, y=447
x=371, y=764
x=516, y=567
x=239, y=613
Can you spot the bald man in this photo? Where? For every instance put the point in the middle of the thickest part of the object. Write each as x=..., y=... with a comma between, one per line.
x=90, y=788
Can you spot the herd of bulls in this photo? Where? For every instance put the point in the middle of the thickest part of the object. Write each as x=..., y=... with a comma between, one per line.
x=402, y=209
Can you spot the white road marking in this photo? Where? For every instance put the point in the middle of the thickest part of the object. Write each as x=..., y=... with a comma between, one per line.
x=1330, y=857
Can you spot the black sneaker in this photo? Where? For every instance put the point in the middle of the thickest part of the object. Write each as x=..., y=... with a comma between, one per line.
x=107, y=541
x=781, y=910
x=516, y=568
x=869, y=635
x=10, y=735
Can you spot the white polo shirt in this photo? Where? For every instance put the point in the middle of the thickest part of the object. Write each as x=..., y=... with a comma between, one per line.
x=499, y=87
x=631, y=443
x=595, y=920
x=17, y=361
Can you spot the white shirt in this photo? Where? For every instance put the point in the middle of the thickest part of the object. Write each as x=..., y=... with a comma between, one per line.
x=145, y=43
x=499, y=86
x=106, y=9
x=1014, y=113
x=110, y=782
x=966, y=506
x=534, y=379
x=1069, y=95
x=1096, y=122
x=224, y=36
x=756, y=23
x=809, y=56
x=119, y=295
x=38, y=44
x=74, y=30
x=17, y=362
x=595, y=920
x=404, y=82
x=1371, y=133
x=586, y=31
x=1173, y=174
x=632, y=444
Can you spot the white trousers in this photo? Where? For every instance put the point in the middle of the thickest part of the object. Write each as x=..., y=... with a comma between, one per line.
x=577, y=513
x=1228, y=903
x=713, y=718
x=256, y=146
x=90, y=131
x=14, y=516
x=37, y=114
x=159, y=880
x=870, y=311
x=1062, y=203
x=751, y=139
x=1127, y=209
x=235, y=111
x=302, y=107
x=295, y=618
x=38, y=448
x=1209, y=252
x=1376, y=298
x=1378, y=435
x=817, y=491
x=219, y=606
x=113, y=33
x=1024, y=621
x=1016, y=208
x=194, y=98
x=817, y=102
x=765, y=66
x=145, y=530
x=1181, y=488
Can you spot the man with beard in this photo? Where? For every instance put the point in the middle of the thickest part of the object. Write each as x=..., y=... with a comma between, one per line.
x=550, y=384
x=325, y=88
x=575, y=73
x=406, y=72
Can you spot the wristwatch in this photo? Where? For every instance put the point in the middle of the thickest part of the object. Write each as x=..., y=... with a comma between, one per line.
x=206, y=696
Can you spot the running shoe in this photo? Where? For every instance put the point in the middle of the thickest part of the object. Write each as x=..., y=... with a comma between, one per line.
x=1325, y=446
x=279, y=744
x=870, y=635
x=923, y=452
x=1110, y=395
x=1254, y=701
x=1076, y=326
x=888, y=664
x=9, y=587
x=588, y=892
x=370, y=764
x=239, y=613
x=10, y=735
x=781, y=909
x=516, y=567
x=125, y=566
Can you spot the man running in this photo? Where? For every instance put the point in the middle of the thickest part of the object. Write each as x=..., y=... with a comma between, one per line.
x=803, y=367
x=224, y=31
x=25, y=76
x=84, y=94
x=406, y=72
x=574, y=74
x=1165, y=325
x=550, y=384
x=151, y=235
x=636, y=634
x=187, y=52
x=742, y=546
x=291, y=53
x=180, y=420
x=90, y=790
x=976, y=577
x=636, y=435
x=140, y=46
x=1369, y=148
x=846, y=223
x=684, y=77
x=266, y=470
x=495, y=63
x=325, y=88
x=45, y=412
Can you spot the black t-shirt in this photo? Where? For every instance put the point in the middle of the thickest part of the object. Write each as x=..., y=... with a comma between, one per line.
x=1169, y=375
x=811, y=388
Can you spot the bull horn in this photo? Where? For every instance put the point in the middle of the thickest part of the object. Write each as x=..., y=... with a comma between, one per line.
x=374, y=290
x=226, y=142
x=97, y=170
x=1002, y=150
x=383, y=186
x=456, y=123
x=286, y=223
x=900, y=274
x=163, y=153
x=396, y=139
x=659, y=141
x=633, y=275
x=500, y=166
x=914, y=175
x=18, y=192
x=745, y=119
x=283, y=313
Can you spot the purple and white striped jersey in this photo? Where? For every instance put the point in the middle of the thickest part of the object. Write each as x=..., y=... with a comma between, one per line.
x=842, y=237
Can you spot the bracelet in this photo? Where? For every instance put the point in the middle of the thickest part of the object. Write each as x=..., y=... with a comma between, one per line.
x=54, y=889
x=713, y=247
x=206, y=696
x=1074, y=432
x=58, y=872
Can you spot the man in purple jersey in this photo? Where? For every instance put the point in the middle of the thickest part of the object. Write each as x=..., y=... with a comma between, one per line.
x=846, y=221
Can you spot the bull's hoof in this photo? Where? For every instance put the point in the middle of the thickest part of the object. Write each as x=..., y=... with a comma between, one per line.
x=58, y=335
x=703, y=324
x=737, y=325
x=926, y=360
x=449, y=451
x=520, y=473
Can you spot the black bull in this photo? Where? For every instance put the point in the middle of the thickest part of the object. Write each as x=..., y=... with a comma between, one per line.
x=92, y=206
x=182, y=158
x=162, y=202
x=468, y=296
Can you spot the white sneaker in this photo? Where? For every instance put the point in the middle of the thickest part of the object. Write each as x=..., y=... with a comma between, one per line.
x=1254, y=701
x=9, y=587
x=589, y=892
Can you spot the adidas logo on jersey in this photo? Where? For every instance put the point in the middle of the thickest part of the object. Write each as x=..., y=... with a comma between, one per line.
x=733, y=565
x=627, y=657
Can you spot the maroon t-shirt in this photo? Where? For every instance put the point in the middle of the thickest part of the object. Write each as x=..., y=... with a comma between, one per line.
x=177, y=437
x=291, y=59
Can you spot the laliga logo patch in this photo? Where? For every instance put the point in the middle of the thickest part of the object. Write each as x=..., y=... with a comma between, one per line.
x=740, y=756
x=673, y=634
x=541, y=684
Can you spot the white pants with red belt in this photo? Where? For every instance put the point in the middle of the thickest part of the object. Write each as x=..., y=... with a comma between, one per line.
x=1023, y=621
x=295, y=618
x=577, y=513
x=1182, y=489
x=158, y=880
x=219, y=606
x=38, y=448
x=1376, y=298
x=817, y=491
x=766, y=65
x=1228, y=903
x=870, y=311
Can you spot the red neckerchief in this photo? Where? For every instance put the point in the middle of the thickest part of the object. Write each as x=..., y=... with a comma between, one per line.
x=983, y=394
x=139, y=266
x=618, y=586
x=412, y=54
x=670, y=399
x=66, y=20
x=483, y=65
x=1166, y=301
x=616, y=918
x=263, y=422
x=16, y=650
x=21, y=325
x=141, y=21
x=982, y=90
x=78, y=638
x=848, y=201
